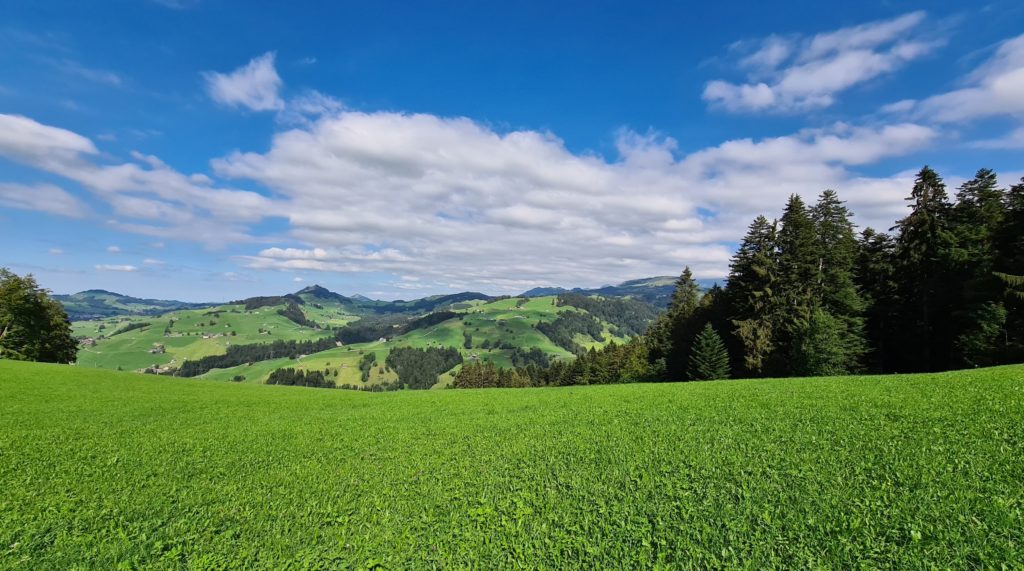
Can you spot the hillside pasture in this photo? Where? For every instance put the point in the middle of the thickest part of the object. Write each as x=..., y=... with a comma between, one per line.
x=190, y=334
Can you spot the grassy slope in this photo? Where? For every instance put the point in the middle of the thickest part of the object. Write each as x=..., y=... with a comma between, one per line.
x=495, y=322
x=101, y=468
x=130, y=350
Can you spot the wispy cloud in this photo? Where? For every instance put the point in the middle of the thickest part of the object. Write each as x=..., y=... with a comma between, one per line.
x=42, y=198
x=174, y=204
x=995, y=88
x=795, y=73
x=77, y=69
x=115, y=268
x=1012, y=140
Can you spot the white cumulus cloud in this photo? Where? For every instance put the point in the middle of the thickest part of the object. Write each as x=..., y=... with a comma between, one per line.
x=255, y=85
x=449, y=199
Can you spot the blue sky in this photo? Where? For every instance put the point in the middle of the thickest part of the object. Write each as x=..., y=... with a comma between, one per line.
x=206, y=150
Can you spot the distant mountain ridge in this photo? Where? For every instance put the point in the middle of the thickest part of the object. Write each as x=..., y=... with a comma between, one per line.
x=99, y=303
x=655, y=290
x=363, y=304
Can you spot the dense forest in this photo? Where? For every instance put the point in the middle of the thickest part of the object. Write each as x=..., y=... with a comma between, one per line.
x=567, y=325
x=629, y=317
x=806, y=295
x=419, y=368
x=293, y=313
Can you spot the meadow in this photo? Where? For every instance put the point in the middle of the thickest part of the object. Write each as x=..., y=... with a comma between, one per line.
x=101, y=469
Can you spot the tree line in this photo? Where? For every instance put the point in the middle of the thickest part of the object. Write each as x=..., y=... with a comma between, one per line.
x=808, y=295
x=236, y=355
x=299, y=378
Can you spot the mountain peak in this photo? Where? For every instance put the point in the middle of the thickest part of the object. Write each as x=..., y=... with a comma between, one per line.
x=315, y=289
x=318, y=291
x=99, y=292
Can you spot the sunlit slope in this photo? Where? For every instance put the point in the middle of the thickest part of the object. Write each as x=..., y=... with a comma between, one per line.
x=105, y=470
x=187, y=334
x=493, y=329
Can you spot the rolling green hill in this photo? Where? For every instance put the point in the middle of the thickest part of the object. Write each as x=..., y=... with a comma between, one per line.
x=487, y=330
x=109, y=470
x=494, y=328
x=97, y=303
x=183, y=334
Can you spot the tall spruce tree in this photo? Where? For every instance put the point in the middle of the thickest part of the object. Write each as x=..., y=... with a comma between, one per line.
x=750, y=296
x=708, y=359
x=839, y=295
x=1010, y=261
x=977, y=219
x=876, y=277
x=925, y=257
x=798, y=289
x=1010, y=237
x=672, y=333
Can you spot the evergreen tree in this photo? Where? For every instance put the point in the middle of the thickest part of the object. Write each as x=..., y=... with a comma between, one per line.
x=819, y=346
x=750, y=295
x=925, y=257
x=877, y=279
x=673, y=331
x=839, y=295
x=1014, y=284
x=709, y=359
x=798, y=290
x=982, y=343
x=1010, y=262
x=977, y=220
x=1010, y=237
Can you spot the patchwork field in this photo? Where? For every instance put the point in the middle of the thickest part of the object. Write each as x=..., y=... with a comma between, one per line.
x=166, y=340
x=101, y=469
x=184, y=334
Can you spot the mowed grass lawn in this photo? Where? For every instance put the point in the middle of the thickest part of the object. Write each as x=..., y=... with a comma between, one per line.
x=100, y=469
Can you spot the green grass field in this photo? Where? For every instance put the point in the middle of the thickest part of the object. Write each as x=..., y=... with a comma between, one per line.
x=103, y=470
